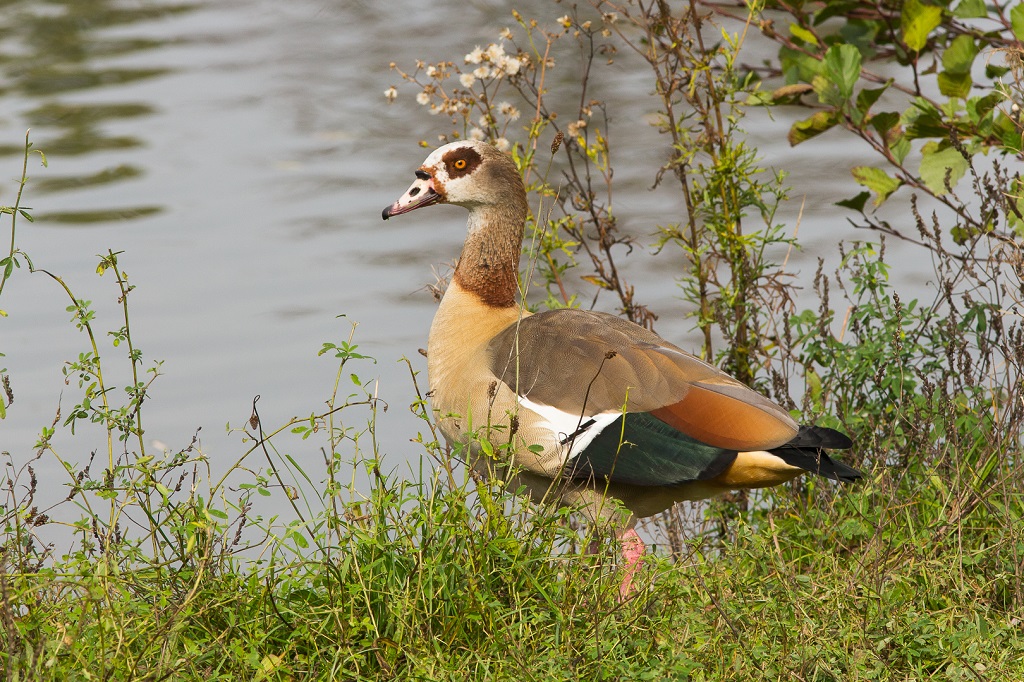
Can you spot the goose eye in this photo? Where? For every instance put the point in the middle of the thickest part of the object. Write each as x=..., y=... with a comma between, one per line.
x=460, y=164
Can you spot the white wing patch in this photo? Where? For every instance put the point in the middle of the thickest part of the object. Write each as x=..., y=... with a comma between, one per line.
x=575, y=430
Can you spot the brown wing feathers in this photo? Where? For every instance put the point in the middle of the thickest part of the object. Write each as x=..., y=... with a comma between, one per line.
x=586, y=363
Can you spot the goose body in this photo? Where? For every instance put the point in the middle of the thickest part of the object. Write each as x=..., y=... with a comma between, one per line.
x=589, y=407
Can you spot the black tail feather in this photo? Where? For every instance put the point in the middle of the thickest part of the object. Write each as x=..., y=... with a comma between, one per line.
x=817, y=462
x=806, y=451
x=818, y=437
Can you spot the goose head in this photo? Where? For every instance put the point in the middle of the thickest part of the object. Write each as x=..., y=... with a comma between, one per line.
x=465, y=173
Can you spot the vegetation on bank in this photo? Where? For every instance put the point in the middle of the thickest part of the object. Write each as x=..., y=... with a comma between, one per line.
x=165, y=569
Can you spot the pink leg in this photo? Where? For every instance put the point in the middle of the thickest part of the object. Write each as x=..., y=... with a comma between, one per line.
x=632, y=552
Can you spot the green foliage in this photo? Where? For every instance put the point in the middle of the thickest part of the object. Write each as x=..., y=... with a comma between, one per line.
x=972, y=126
x=13, y=260
x=730, y=281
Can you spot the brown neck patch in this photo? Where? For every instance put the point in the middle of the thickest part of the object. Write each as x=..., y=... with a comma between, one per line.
x=496, y=289
x=489, y=267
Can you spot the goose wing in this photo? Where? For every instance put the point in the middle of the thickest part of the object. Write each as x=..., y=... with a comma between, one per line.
x=588, y=363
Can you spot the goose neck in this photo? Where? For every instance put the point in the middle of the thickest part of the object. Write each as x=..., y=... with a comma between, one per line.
x=489, y=265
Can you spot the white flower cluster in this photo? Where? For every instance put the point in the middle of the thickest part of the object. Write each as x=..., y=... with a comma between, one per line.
x=493, y=62
x=508, y=111
x=479, y=135
x=576, y=128
x=468, y=92
x=447, y=106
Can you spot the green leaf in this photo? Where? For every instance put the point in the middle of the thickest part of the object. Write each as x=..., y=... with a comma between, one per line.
x=803, y=34
x=842, y=68
x=995, y=71
x=887, y=124
x=979, y=108
x=938, y=484
x=885, y=121
x=900, y=148
x=955, y=80
x=856, y=203
x=1015, y=223
x=970, y=9
x=924, y=120
x=876, y=180
x=918, y=20
x=960, y=235
x=797, y=66
x=867, y=97
x=960, y=54
x=860, y=34
x=812, y=127
x=814, y=386
x=853, y=530
x=955, y=84
x=1006, y=129
x=936, y=162
x=1017, y=22
x=759, y=98
x=977, y=315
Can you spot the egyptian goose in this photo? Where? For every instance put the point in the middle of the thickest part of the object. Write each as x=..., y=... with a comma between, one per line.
x=600, y=406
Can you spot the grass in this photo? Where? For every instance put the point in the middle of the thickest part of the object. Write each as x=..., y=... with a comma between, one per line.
x=430, y=580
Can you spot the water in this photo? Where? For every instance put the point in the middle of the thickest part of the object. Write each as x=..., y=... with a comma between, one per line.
x=239, y=155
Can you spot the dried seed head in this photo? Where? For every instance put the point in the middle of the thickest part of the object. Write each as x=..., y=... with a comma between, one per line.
x=557, y=142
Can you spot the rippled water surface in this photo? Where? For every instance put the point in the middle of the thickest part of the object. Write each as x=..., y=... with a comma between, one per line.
x=238, y=154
